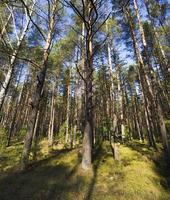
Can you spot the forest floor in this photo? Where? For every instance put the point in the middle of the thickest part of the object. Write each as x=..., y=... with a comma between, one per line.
x=139, y=175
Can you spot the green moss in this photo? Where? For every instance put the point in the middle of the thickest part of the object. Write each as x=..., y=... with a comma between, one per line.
x=57, y=174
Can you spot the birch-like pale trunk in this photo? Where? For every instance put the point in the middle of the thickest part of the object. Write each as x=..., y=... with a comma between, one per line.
x=8, y=77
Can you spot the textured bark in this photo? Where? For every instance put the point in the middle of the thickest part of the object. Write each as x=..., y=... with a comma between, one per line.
x=88, y=131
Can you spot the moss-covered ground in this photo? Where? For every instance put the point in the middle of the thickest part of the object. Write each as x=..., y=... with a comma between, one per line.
x=140, y=174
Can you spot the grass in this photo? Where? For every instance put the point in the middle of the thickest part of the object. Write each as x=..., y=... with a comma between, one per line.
x=139, y=175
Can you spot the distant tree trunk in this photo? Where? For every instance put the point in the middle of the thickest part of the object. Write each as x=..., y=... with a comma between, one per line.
x=150, y=88
x=51, y=123
x=22, y=109
x=25, y=115
x=67, y=108
x=121, y=103
x=6, y=110
x=135, y=113
x=77, y=110
x=15, y=109
x=12, y=125
x=111, y=94
x=145, y=84
x=81, y=93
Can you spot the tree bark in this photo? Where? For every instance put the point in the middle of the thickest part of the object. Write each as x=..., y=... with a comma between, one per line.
x=88, y=131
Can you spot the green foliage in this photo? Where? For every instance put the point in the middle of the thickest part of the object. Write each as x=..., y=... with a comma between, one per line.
x=64, y=49
x=110, y=25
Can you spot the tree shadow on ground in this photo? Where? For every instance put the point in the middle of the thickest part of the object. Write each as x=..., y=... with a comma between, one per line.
x=82, y=185
x=158, y=157
x=49, y=179
x=38, y=181
x=97, y=157
x=53, y=154
x=34, y=184
x=100, y=155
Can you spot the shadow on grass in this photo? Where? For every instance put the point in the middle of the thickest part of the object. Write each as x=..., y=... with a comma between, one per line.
x=53, y=154
x=98, y=156
x=158, y=157
x=45, y=180
x=41, y=181
x=64, y=185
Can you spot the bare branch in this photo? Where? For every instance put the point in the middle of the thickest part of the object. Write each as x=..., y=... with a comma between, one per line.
x=37, y=27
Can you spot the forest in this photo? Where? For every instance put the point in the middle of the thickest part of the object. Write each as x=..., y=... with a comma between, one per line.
x=84, y=100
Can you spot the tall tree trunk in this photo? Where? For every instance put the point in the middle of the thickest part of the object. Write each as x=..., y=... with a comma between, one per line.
x=39, y=91
x=111, y=92
x=88, y=131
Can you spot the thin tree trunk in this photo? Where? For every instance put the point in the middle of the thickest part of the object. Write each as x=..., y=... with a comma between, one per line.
x=68, y=110
x=51, y=123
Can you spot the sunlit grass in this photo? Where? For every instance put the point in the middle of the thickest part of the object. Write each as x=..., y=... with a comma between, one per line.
x=57, y=174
